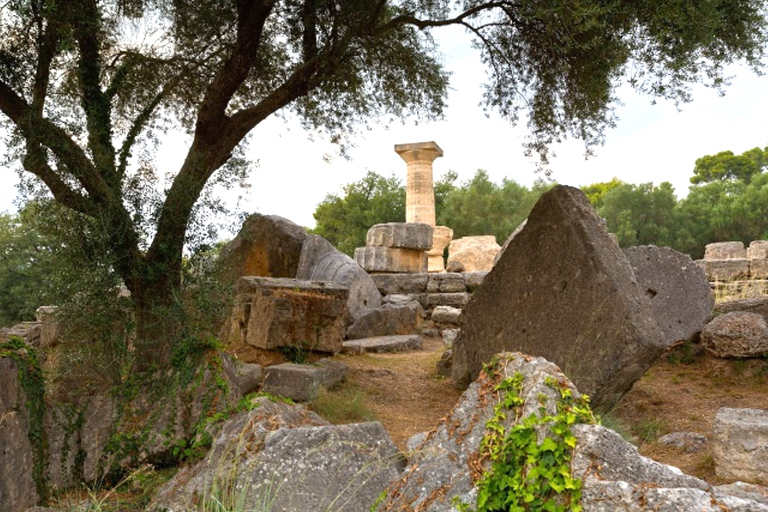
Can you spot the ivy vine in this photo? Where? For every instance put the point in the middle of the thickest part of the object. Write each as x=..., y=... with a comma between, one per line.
x=528, y=475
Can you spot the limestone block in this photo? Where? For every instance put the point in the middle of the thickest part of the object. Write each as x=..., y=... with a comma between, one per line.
x=299, y=382
x=381, y=344
x=386, y=321
x=49, y=326
x=396, y=284
x=280, y=312
x=441, y=237
x=474, y=253
x=446, y=315
x=736, y=334
x=740, y=445
x=389, y=259
x=450, y=336
x=758, y=269
x=446, y=299
x=446, y=283
x=725, y=270
x=758, y=250
x=725, y=251
x=405, y=235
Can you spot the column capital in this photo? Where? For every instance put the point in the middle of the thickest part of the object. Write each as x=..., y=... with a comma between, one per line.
x=424, y=151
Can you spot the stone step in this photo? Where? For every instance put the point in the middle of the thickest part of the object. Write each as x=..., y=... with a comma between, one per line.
x=381, y=344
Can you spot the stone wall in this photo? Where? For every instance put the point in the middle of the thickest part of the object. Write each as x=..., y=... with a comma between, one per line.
x=429, y=289
x=735, y=270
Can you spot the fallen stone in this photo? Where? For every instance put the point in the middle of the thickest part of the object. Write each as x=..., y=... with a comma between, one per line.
x=725, y=251
x=321, y=261
x=235, y=443
x=445, y=299
x=740, y=445
x=248, y=376
x=736, y=334
x=473, y=280
x=272, y=313
x=757, y=250
x=680, y=295
x=388, y=259
x=405, y=235
x=445, y=363
x=393, y=284
x=725, y=270
x=381, y=344
x=563, y=266
x=474, y=253
x=446, y=315
x=689, y=442
x=404, y=300
x=387, y=320
x=267, y=245
x=445, y=466
x=446, y=283
x=450, y=336
x=335, y=373
x=299, y=382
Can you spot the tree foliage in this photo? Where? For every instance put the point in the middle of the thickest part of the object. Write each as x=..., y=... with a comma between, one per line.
x=727, y=166
x=85, y=86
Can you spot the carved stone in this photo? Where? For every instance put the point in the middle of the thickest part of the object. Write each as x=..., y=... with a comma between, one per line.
x=404, y=235
x=390, y=259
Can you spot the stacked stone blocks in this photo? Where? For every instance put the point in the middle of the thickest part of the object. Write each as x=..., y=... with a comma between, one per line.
x=732, y=263
x=397, y=247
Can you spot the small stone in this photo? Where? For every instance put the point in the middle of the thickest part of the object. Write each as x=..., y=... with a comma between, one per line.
x=450, y=336
x=736, y=334
x=690, y=442
x=740, y=445
x=446, y=315
x=445, y=363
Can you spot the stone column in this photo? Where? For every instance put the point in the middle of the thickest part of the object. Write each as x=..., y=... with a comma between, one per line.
x=420, y=196
x=420, y=190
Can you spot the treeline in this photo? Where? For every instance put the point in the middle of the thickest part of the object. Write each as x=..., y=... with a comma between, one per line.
x=728, y=200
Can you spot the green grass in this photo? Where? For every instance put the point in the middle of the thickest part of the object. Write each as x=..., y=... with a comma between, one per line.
x=345, y=405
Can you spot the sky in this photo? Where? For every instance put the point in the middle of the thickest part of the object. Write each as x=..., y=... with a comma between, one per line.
x=651, y=143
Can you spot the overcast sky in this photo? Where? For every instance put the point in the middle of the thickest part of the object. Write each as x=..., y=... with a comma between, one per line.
x=651, y=143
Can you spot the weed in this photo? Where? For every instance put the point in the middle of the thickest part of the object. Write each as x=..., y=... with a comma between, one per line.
x=609, y=419
x=297, y=355
x=650, y=430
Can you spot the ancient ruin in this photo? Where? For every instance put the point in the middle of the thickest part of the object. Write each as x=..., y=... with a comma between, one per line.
x=735, y=270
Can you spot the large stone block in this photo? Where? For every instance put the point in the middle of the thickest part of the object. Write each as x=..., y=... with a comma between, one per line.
x=725, y=251
x=740, y=445
x=267, y=245
x=474, y=253
x=387, y=320
x=405, y=235
x=725, y=270
x=388, y=259
x=758, y=250
x=456, y=300
x=446, y=283
x=736, y=334
x=680, y=295
x=272, y=313
x=758, y=269
x=397, y=284
x=383, y=344
x=321, y=261
x=299, y=382
x=565, y=291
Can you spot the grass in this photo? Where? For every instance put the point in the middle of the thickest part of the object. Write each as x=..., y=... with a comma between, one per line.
x=345, y=405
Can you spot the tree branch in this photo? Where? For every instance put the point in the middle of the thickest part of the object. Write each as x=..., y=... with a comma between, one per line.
x=409, y=19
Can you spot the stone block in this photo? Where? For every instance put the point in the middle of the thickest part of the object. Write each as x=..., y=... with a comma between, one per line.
x=725, y=251
x=271, y=313
x=388, y=259
x=474, y=253
x=335, y=372
x=456, y=300
x=446, y=283
x=267, y=245
x=758, y=269
x=680, y=295
x=450, y=336
x=321, y=261
x=441, y=237
x=382, y=344
x=394, y=284
x=758, y=250
x=446, y=315
x=299, y=382
x=387, y=320
x=49, y=326
x=405, y=235
x=736, y=334
x=565, y=291
x=740, y=445
x=473, y=280
x=725, y=270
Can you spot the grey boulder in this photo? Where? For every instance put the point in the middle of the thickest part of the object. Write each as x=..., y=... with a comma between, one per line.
x=736, y=334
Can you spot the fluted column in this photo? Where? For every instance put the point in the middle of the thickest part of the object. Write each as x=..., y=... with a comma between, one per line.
x=419, y=189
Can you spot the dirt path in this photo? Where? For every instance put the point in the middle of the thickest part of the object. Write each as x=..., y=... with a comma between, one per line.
x=403, y=390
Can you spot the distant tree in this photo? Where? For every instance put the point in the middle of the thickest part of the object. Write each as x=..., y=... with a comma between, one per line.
x=641, y=214
x=727, y=166
x=345, y=220
x=596, y=191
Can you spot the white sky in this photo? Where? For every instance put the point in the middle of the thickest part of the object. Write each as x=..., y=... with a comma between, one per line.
x=651, y=143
